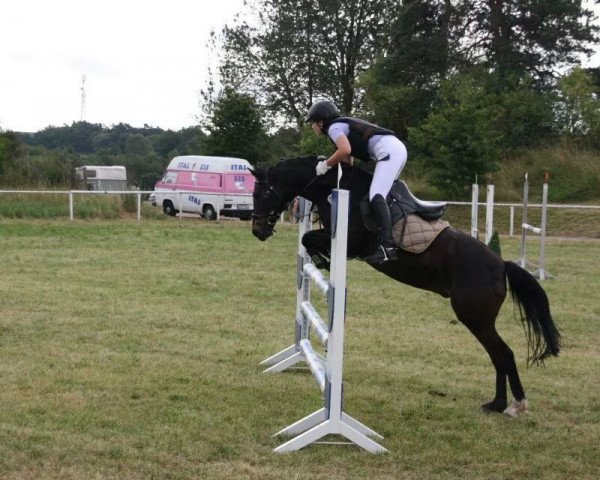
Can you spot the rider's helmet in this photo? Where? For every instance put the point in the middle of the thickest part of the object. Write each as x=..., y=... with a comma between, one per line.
x=323, y=110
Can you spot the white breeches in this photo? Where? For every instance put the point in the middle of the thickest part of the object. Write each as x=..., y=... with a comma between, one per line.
x=386, y=171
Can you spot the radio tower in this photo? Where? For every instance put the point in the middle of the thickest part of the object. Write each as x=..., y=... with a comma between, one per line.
x=83, y=78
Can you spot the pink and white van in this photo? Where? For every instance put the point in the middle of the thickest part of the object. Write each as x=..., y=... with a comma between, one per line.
x=209, y=186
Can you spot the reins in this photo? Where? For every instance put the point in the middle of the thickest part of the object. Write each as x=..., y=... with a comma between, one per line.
x=272, y=216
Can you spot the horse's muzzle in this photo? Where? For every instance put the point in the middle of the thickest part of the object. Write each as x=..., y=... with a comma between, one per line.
x=261, y=233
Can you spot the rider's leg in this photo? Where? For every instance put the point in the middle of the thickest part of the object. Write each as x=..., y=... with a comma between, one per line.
x=386, y=172
x=386, y=250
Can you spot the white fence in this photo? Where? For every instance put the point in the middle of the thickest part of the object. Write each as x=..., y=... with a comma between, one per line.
x=512, y=206
x=71, y=197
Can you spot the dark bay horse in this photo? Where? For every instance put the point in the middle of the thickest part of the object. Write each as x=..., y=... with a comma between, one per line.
x=456, y=266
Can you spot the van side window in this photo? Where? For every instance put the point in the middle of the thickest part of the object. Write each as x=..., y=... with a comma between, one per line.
x=169, y=177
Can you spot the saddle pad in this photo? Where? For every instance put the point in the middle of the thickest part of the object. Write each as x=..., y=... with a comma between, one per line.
x=418, y=234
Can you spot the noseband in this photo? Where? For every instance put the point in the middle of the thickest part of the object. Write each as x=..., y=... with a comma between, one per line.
x=272, y=216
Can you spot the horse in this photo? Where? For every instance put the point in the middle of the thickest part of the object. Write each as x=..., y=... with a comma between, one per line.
x=455, y=266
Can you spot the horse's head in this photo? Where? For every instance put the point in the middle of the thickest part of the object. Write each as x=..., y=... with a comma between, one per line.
x=271, y=197
x=277, y=186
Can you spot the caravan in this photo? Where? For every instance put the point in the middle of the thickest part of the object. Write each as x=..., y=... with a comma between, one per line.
x=209, y=186
x=103, y=177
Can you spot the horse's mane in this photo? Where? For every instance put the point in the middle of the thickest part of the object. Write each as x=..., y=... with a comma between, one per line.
x=303, y=170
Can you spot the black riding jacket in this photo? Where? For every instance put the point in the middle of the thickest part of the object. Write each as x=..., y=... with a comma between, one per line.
x=360, y=133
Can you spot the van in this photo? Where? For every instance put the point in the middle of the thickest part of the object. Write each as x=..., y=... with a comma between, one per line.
x=103, y=177
x=209, y=186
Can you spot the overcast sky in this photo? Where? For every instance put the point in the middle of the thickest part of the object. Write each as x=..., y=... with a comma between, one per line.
x=145, y=61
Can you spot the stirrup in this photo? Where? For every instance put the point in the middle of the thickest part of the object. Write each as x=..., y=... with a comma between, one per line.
x=382, y=255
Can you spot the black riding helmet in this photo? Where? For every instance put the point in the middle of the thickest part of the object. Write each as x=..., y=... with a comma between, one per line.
x=323, y=110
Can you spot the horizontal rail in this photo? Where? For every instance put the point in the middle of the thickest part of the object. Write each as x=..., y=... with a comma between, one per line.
x=316, y=366
x=532, y=205
x=88, y=192
x=531, y=228
x=316, y=321
x=135, y=192
x=317, y=277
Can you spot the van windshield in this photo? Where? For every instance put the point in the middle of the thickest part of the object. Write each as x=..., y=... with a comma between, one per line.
x=237, y=183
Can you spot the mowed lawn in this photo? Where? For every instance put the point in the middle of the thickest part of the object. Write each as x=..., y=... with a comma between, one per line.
x=131, y=350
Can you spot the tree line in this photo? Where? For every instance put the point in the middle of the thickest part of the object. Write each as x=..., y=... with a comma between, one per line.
x=467, y=84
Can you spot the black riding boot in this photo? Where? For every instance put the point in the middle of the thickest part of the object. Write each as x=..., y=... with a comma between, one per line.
x=386, y=250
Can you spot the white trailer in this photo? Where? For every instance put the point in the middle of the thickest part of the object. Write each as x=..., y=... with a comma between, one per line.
x=103, y=177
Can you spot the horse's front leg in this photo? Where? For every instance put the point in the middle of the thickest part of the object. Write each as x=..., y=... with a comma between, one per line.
x=318, y=244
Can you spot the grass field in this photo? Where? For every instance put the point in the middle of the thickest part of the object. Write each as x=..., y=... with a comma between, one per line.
x=131, y=350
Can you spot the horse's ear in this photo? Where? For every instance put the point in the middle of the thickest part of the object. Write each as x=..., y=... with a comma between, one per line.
x=259, y=173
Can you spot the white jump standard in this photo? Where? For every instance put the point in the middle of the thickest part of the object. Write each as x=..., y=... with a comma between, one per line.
x=540, y=272
x=327, y=371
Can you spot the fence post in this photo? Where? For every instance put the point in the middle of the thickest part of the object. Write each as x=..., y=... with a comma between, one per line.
x=139, y=206
x=542, y=261
x=71, y=206
x=489, y=214
x=180, y=207
x=512, y=221
x=474, y=208
x=524, y=221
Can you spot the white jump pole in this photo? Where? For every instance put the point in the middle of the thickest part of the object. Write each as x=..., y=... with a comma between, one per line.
x=328, y=372
x=540, y=272
x=292, y=355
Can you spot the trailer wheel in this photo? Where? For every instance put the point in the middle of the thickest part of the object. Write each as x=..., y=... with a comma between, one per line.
x=169, y=208
x=209, y=213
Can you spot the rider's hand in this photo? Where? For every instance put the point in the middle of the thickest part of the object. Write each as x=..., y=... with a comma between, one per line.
x=322, y=167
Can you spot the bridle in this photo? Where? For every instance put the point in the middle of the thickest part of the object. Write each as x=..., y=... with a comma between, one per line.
x=272, y=216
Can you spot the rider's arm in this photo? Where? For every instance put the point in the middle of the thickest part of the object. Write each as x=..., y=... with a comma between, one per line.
x=342, y=152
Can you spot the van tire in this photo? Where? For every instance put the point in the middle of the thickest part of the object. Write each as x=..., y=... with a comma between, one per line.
x=169, y=208
x=208, y=212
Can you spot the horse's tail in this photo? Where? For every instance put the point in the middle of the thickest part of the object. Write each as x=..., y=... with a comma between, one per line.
x=543, y=336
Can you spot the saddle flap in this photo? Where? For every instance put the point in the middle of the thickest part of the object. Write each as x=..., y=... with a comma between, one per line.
x=401, y=203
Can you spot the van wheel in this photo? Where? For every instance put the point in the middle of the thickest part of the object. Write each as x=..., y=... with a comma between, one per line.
x=168, y=208
x=209, y=213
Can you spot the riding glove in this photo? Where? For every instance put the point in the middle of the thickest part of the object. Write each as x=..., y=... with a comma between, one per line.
x=322, y=168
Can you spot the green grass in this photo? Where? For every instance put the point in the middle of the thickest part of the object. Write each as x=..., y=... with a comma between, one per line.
x=131, y=349
x=85, y=206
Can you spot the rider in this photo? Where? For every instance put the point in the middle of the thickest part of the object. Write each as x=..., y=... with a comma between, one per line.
x=366, y=142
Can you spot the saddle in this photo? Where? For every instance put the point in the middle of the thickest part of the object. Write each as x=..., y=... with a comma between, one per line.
x=401, y=203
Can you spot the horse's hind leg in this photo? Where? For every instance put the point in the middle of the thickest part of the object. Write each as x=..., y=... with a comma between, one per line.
x=480, y=320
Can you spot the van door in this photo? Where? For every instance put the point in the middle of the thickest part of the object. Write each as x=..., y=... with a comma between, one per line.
x=204, y=190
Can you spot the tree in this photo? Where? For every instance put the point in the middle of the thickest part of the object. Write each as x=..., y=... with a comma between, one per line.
x=11, y=150
x=302, y=50
x=533, y=37
x=461, y=138
x=579, y=106
x=236, y=128
x=137, y=144
x=476, y=124
x=402, y=87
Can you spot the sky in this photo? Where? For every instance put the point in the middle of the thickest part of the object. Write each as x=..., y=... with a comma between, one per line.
x=145, y=62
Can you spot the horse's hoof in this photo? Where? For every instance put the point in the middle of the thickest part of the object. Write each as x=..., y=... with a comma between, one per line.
x=493, y=407
x=516, y=407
